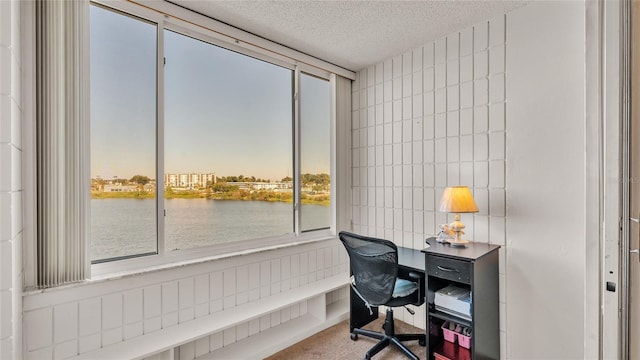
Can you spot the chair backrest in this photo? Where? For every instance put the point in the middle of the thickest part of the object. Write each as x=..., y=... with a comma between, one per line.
x=374, y=266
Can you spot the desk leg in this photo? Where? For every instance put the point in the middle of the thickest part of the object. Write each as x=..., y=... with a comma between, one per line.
x=360, y=315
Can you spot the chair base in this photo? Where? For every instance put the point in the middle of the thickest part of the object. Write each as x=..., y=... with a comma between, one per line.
x=389, y=337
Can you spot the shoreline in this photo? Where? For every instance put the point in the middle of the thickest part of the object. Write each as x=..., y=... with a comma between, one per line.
x=322, y=200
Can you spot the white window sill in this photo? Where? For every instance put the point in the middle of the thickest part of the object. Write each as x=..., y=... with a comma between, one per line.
x=175, y=259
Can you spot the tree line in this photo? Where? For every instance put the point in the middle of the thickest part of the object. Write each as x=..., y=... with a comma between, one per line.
x=318, y=179
x=225, y=187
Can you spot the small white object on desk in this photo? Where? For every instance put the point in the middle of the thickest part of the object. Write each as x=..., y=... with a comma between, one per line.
x=445, y=234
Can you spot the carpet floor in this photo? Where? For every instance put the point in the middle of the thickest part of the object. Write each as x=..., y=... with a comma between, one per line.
x=335, y=343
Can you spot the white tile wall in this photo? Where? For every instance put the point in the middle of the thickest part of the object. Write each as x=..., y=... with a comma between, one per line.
x=64, y=322
x=446, y=125
x=10, y=183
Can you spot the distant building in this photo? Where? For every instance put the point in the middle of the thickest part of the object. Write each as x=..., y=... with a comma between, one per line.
x=271, y=186
x=250, y=185
x=120, y=188
x=190, y=181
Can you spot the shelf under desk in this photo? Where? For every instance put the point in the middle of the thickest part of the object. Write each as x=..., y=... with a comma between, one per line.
x=474, y=267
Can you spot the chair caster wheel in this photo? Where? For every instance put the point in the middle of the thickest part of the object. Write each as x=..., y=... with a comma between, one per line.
x=354, y=337
x=367, y=357
x=422, y=342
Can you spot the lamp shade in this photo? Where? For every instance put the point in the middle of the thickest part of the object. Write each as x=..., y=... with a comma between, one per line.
x=457, y=199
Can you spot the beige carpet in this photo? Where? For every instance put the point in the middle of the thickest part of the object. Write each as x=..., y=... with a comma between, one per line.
x=335, y=343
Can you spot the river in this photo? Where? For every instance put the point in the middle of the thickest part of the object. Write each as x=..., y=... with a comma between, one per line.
x=122, y=227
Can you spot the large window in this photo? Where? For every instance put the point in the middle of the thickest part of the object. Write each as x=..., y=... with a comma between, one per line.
x=199, y=152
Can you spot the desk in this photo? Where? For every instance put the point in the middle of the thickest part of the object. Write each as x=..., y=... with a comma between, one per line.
x=474, y=267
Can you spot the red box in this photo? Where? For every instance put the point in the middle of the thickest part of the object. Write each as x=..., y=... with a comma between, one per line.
x=449, y=351
x=440, y=357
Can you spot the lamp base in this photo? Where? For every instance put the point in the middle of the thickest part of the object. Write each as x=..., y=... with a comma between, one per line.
x=457, y=242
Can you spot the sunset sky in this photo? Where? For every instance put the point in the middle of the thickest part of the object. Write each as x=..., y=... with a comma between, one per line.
x=223, y=112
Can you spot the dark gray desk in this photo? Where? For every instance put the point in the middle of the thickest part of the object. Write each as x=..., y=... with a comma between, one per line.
x=474, y=267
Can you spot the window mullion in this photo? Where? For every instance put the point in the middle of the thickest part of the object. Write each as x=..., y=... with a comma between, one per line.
x=297, y=174
x=332, y=148
x=160, y=209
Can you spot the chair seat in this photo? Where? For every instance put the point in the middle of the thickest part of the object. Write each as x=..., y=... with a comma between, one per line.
x=404, y=288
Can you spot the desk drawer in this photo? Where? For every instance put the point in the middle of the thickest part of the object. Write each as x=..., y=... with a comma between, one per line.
x=449, y=269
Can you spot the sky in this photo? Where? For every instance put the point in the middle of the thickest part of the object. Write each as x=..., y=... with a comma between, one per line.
x=224, y=112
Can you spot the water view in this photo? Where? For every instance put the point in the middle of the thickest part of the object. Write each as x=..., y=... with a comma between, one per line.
x=128, y=226
x=223, y=114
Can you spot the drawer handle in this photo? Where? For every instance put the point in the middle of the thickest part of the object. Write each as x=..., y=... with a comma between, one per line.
x=446, y=269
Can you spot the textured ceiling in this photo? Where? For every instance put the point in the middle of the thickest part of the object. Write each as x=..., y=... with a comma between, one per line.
x=351, y=34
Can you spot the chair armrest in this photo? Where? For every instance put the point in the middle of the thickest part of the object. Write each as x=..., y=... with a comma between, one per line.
x=416, y=275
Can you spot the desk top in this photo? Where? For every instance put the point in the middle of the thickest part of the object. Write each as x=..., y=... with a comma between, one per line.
x=415, y=259
x=411, y=258
x=471, y=251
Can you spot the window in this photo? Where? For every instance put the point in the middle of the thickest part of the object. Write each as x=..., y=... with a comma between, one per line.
x=199, y=152
x=123, y=135
x=315, y=140
x=228, y=126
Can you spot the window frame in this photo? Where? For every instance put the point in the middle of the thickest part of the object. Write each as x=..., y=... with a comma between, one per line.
x=159, y=73
x=330, y=81
x=185, y=23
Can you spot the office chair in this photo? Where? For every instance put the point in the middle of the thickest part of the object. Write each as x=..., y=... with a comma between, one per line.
x=374, y=269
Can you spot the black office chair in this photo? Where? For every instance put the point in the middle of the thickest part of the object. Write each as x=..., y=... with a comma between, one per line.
x=374, y=269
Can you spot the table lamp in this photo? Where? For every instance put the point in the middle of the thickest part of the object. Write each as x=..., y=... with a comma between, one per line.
x=457, y=199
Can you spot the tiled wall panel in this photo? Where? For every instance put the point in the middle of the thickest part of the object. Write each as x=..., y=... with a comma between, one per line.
x=427, y=119
x=10, y=182
x=60, y=323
